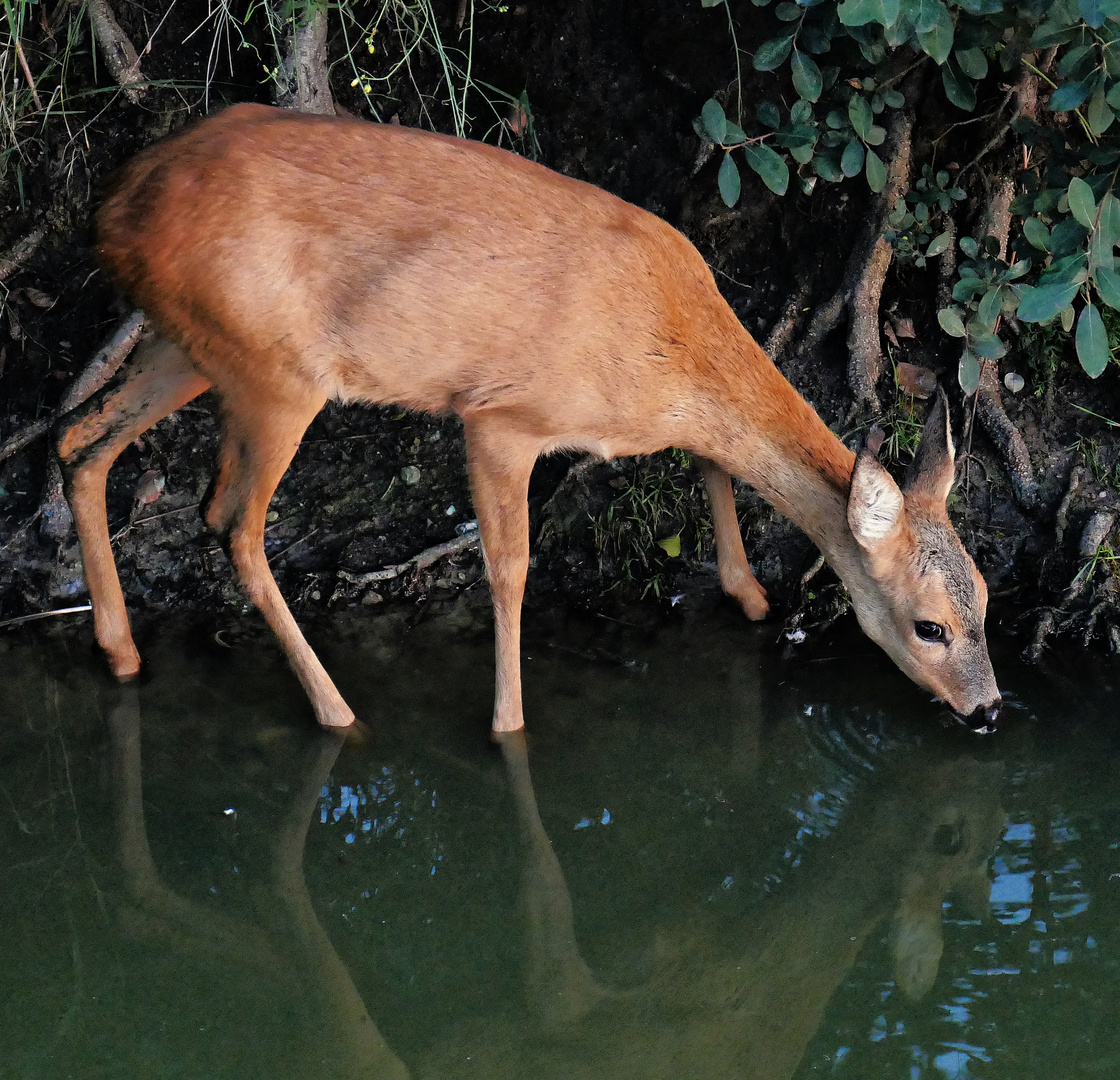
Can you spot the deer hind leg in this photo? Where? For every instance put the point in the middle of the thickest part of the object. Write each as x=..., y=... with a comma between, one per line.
x=260, y=439
x=500, y=461
x=158, y=379
x=734, y=571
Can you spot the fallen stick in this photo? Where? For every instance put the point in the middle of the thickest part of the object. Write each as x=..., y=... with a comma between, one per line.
x=104, y=365
x=419, y=562
x=44, y=615
x=21, y=252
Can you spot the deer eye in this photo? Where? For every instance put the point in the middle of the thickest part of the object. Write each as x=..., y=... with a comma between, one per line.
x=929, y=631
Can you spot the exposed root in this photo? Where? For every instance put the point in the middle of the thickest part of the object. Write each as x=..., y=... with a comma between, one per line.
x=101, y=368
x=303, y=84
x=862, y=284
x=117, y=50
x=782, y=330
x=1005, y=436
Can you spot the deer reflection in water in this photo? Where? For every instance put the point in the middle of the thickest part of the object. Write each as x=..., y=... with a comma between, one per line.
x=741, y=1000
x=287, y=954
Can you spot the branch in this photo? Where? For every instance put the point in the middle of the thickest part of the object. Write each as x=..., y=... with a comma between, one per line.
x=116, y=49
x=101, y=368
x=21, y=252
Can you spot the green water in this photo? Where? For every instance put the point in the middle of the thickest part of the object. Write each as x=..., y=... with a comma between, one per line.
x=705, y=861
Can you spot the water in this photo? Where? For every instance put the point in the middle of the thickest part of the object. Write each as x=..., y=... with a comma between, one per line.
x=705, y=861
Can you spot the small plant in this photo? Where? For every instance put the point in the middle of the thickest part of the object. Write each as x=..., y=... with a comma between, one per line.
x=910, y=223
x=902, y=423
x=645, y=526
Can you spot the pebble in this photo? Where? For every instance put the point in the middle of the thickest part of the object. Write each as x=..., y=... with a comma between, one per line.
x=1014, y=381
x=410, y=474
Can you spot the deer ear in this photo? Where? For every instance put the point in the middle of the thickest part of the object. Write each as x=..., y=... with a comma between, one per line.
x=930, y=476
x=874, y=501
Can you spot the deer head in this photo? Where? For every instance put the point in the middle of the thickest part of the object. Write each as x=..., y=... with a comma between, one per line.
x=920, y=595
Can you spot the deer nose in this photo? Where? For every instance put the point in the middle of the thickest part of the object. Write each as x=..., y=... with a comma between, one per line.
x=984, y=718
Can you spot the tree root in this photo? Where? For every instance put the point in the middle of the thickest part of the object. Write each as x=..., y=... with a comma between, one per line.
x=1005, y=436
x=1095, y=532
x=303, y=84
x=117, y=50
x=101, y=368
x=862, y=284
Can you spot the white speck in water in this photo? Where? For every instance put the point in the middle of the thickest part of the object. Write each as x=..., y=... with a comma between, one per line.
x=796, y=636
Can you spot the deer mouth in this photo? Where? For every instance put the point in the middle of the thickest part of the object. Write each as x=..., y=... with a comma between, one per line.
x=983, y=720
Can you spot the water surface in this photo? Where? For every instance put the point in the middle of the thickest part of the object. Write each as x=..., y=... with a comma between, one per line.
x=704, y=861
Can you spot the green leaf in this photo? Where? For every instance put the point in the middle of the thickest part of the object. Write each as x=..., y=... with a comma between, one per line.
x=1108, y=221
x=1091, y=12
x=968, y=373
x=972, y=62
x=714, y=120
x=1099, y=116
x=939, y=244
x=876, y=171
x=827, y=168
x=734, y=134
x=1038, y=236
x=851, y=162
x=893, y=99
x=729, y=182
x=1092, y=342
x=1040, y=303
x=1070, y=95
x=969, y=246
x=1067, y=318
x=772, y=54
x=937, y=42
x=1108, y=286
x=924, y=14
x=988, y=311
x=671, y=545
x=988, y=346
x=959, y=89
x=967, y=287
x=769, y=165
x=860, y=115
x=1015, y=271
x=951, y=322
x=861, y=12
x=876, y=135
x=767, y=114
x=1081, y=202
x=806, y=76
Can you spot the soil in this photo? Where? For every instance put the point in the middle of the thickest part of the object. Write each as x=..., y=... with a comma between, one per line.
x=613, y=89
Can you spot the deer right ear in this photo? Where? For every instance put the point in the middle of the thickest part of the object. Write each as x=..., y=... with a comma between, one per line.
x=930, y=475
x=874, y=501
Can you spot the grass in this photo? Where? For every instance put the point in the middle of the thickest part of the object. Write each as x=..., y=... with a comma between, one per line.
x=652, y=521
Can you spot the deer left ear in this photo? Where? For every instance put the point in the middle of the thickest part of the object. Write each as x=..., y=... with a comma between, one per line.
x=930, y=476
x=874, y=501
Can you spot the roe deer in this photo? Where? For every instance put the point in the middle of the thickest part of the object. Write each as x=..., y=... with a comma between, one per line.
x=287, y=260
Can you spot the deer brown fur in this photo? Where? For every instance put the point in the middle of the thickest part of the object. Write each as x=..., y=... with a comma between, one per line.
x=287, y=260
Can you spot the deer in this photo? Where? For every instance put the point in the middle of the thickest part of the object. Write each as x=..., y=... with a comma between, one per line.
x=288, y=260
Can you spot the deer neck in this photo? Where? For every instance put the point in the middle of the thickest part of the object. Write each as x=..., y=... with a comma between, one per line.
x=764, y=432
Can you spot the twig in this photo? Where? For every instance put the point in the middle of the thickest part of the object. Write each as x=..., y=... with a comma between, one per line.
x=419, y=562
x=153, y=517
x=101, y=368
x=21, y=252
x=294, y=544
x=44, y=615
x=27, y=75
